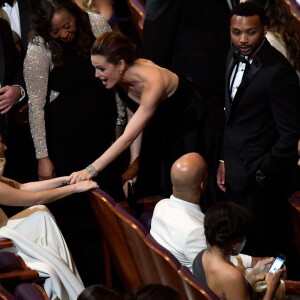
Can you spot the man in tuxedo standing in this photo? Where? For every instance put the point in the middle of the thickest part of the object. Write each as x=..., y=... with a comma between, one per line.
x=262, y=129
x=11, y=93
x=19, y=14
x=11, y=77
x=21, y=162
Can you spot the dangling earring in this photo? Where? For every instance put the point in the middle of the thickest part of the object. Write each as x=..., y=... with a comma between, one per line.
x=121, y=71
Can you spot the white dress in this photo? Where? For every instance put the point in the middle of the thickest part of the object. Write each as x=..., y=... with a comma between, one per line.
x=38, y=240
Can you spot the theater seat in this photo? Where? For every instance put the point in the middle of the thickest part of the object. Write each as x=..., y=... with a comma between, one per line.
x=30, y=291
x=295, y=203
x=137, y=258
x=138, y=11
x=13, y=268
x=5, y=294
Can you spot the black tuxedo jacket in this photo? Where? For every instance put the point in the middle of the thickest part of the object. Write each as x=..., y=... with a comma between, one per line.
x=190, y=38
x=263, y=120
x=25, y=19
x=10, y=65
x=25, y=8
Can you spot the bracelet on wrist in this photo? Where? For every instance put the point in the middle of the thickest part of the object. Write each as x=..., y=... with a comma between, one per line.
x=91, y=170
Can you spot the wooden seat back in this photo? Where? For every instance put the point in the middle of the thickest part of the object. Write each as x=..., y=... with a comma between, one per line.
x=136, y=255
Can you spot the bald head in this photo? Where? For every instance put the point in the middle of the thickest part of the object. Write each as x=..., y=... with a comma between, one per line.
x=189, y=174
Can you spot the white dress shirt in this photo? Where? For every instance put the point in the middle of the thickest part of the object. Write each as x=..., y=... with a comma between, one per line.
x=178, y=226
x=14, y=17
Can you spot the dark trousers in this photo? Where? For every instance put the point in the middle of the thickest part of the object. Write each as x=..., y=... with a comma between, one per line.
x=271, y=225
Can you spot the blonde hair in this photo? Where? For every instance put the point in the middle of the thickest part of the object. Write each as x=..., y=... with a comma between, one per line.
x=89, y=5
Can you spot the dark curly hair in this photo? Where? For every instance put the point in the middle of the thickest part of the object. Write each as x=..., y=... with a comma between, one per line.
x=249, y=9
x=114, y=47
x=224, y=223
x=41, y=23
x=282, y=21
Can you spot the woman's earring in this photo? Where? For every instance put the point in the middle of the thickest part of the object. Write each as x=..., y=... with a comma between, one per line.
x=121, y=71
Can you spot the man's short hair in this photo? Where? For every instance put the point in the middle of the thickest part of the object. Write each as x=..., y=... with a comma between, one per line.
x=249, y=9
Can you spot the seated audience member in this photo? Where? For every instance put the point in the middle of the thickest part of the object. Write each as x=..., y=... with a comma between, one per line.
x=225, y=227
x=185, y=238
x=154, y=292
x=13, y=100
x=13, y=193
x=99, y=292
x=177, y=223
x=34, y=232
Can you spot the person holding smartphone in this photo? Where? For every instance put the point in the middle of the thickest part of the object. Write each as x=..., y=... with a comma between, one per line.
x=225, y=227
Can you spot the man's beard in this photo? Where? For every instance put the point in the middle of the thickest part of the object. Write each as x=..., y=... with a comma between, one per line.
x=2, y=165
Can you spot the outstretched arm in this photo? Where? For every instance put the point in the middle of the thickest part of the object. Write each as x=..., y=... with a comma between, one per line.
x=149, y=101
x=37, y=186
x=34, y=193
x=132, y=130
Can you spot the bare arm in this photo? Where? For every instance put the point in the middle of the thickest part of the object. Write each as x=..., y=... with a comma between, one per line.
x=37, y=186
x=259, y=270
x=272, y=284
x=149, y=101
x=135, y=147
x=22, y=197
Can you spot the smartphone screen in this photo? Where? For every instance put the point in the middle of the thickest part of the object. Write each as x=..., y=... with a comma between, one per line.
x=277, y=264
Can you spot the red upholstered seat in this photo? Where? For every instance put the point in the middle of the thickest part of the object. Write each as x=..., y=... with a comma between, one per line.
x=137, y=258
x=30, y=291
x=295, y=202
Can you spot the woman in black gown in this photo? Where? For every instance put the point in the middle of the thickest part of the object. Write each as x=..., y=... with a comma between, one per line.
x=72, y=116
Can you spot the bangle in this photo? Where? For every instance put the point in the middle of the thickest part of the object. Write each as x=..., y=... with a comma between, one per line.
x=91, y=170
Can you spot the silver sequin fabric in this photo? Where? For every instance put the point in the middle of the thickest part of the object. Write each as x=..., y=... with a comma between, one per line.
x=37, y=66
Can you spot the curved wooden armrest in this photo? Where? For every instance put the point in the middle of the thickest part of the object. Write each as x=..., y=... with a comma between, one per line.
x=295, y=200
x=5, y=243
x=19, y=275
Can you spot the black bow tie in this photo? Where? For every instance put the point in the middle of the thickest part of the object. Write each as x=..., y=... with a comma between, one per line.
x=237, y=57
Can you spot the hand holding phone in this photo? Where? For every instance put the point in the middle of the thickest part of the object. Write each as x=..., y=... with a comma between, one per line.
x=278, y=263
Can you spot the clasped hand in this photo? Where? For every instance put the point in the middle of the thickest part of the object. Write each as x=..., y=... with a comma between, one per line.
x=80, y=176
x=9, y=96
x=260, y=271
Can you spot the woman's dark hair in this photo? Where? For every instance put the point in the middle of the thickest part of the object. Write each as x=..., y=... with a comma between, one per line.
x=225, y=222
x=155, y=292
x=249, y=9
x=282, y=21
x=114, y=47
x=99, y=292
x=41, y=23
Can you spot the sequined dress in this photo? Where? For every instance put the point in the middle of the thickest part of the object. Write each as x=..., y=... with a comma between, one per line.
x=73, y=127
x=76, y=124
